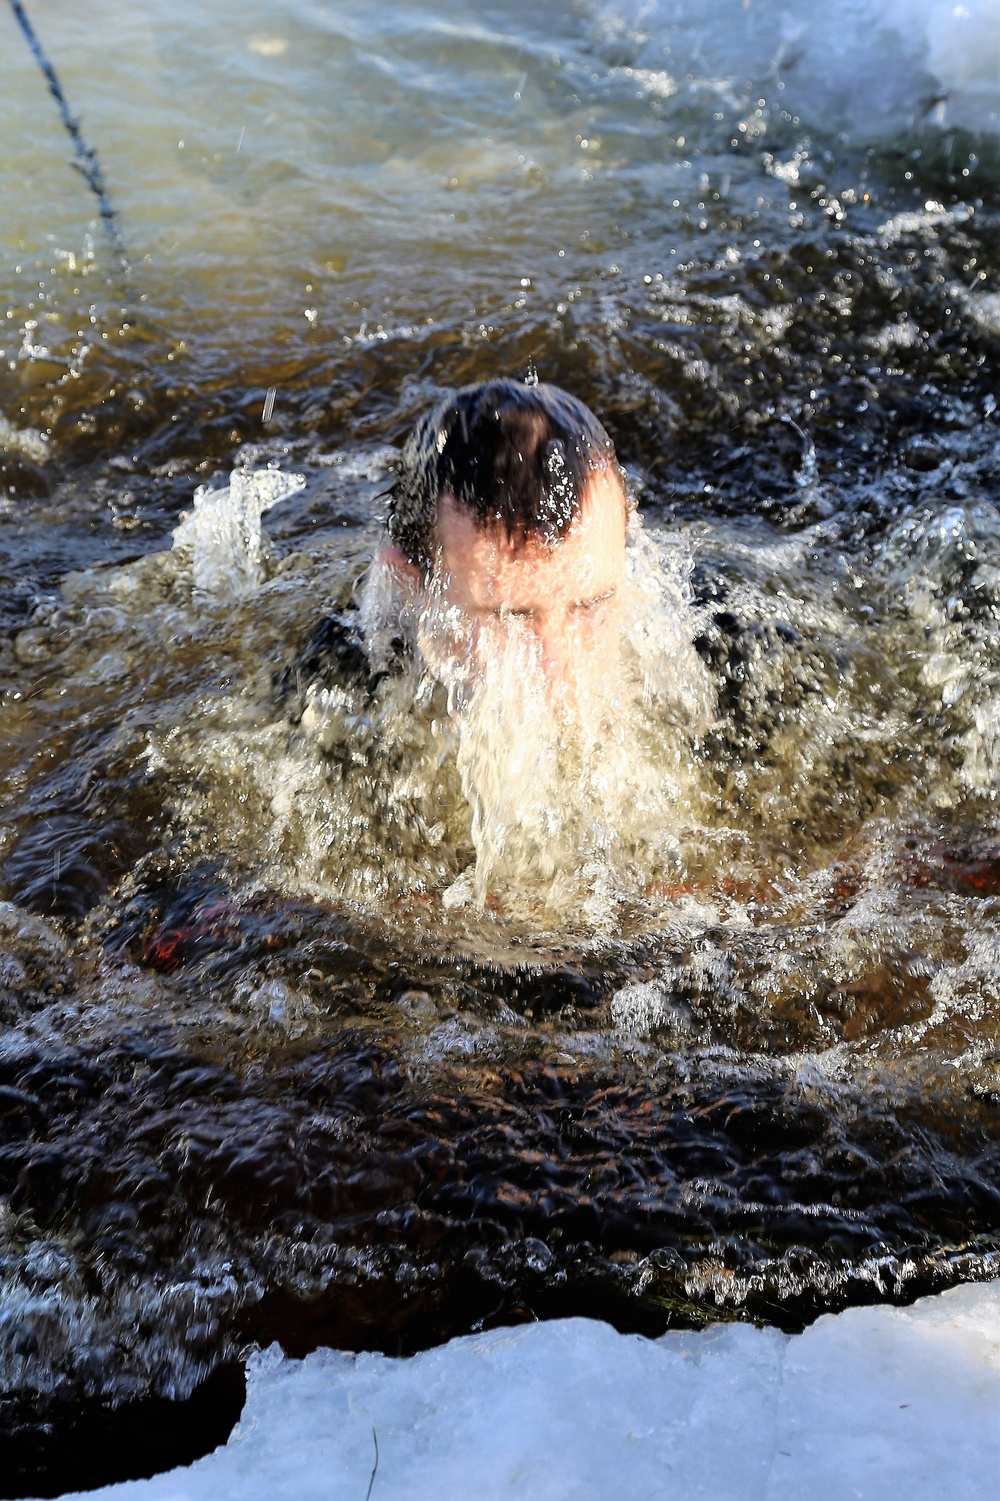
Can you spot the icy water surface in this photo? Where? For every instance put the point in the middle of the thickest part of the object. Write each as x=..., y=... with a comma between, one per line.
x=334, y=1011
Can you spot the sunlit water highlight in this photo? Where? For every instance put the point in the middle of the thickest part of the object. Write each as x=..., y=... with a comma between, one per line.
x=343, y=1003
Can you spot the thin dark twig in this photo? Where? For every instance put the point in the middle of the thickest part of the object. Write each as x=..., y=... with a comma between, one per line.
x=371, y=1482
x=87, y=163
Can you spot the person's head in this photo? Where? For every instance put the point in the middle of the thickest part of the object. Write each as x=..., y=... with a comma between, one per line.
x=510, y=503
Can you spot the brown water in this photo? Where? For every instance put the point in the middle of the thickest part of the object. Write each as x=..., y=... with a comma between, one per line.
x=306, y=1034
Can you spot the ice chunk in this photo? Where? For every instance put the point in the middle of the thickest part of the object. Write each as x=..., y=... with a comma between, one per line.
x=873, y=68
x=873, y=1402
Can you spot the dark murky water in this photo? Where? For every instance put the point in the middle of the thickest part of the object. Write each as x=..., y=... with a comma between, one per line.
x=266, y=1071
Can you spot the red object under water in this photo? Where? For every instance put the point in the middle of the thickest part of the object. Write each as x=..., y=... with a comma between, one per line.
x=970, y=873
x=172, y=945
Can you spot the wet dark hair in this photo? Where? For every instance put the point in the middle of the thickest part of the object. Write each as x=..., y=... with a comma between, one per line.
x=516, y=456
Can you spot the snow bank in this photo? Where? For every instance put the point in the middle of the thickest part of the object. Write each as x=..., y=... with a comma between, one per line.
x=875, y=1402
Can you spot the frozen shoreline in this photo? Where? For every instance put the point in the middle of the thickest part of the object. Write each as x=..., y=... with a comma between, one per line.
x=883, y=1402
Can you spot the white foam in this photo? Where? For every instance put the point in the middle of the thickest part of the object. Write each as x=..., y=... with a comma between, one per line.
x=985, y=308
x=870, y=1403
x=942, y=559
x=28, y=441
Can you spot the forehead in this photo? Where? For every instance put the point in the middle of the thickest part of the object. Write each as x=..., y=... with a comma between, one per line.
x=486, y=571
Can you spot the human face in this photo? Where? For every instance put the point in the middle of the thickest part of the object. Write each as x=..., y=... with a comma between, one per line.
x=566, y=594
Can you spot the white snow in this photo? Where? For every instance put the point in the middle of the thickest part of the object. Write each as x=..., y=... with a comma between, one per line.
x=887, y=1403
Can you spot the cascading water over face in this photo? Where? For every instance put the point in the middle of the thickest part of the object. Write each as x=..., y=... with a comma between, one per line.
x=570, y=788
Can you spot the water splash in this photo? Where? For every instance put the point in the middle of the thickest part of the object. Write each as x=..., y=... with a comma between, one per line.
x=222, y=536
x=945, y=559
